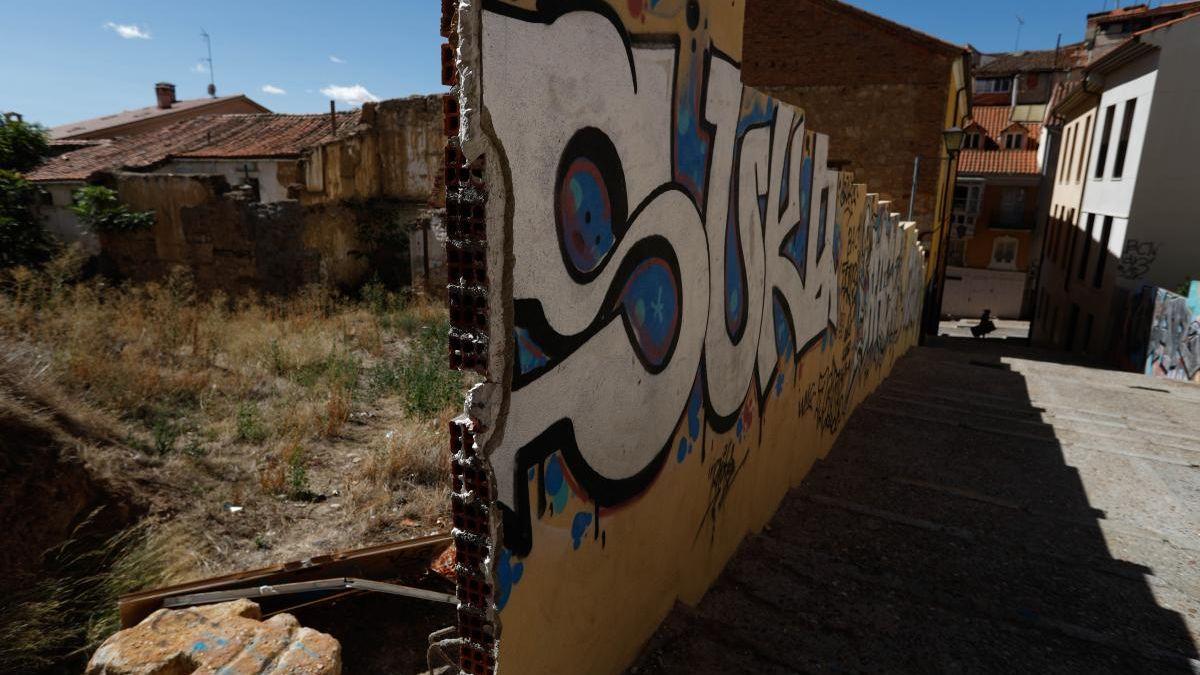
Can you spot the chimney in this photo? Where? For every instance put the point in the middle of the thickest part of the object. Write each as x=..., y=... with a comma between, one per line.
x=165, y=93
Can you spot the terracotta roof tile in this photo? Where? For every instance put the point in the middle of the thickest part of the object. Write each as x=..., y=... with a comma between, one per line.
x=995, y=120
x=1006, y=162
x=137, y=115
x=1142, y=11
x=209, y=136
x=1011, y=63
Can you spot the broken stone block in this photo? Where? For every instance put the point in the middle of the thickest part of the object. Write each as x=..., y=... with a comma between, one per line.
x=229, y=638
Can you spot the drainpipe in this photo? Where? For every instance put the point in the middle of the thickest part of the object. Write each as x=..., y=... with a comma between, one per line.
x=912, y=195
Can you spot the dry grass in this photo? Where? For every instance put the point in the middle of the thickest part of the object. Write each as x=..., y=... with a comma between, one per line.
x=322, y=417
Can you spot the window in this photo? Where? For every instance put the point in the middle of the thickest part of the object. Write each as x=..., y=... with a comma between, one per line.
x=1012, y=208
x=1123, y=143
x=1084, y=147
x=1068, y=227
x=1070, y=152
x=1098, y=280
x=1074, y=235
x=966, y=198
x=997, y=85
x=1052, y=226
x=1004, y=253
x=1102, y=158
x=1087, y=246
x=1014, y=141
x=972, y=141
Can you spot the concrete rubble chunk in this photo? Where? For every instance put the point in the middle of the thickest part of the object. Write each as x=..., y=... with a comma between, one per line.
x=229, y=638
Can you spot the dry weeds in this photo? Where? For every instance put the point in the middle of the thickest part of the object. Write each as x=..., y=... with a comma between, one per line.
x=257, y=429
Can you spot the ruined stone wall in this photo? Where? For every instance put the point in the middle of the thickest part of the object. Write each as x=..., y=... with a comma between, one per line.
x=396, y=154
x=231, y=243
x=674, y=301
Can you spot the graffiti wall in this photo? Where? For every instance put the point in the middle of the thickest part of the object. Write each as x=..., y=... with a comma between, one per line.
x=1160, y=333
x=683, y=305
x=1173, y=350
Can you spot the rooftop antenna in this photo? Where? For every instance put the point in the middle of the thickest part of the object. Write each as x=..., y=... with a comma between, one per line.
x=212, y=78
x=1020, y=25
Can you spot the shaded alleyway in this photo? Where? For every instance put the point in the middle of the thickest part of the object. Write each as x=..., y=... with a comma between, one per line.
x=986, y=509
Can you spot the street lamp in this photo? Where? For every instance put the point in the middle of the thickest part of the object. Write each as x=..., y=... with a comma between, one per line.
x=953, y=138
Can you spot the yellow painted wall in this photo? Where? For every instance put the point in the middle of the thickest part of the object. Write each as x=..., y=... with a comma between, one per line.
x=649, y=402
x=590, y=609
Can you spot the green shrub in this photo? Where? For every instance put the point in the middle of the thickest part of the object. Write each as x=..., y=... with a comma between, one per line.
x=100, y=210
x=165, y=434
x=337, y=369
x=250, y=428
x=22, y=145
x=421, y=376
x=23, y=240
x=297, y=477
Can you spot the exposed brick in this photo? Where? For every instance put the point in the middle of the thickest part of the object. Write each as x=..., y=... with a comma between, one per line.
x=851, y=68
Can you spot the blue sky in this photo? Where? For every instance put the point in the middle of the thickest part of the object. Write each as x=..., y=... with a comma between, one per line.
x=67, y=60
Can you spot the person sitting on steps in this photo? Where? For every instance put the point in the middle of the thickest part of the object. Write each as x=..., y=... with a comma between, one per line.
x=984, y=326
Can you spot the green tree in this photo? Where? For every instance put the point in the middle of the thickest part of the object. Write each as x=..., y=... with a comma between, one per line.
x=23, y=240
x=22, y=145
x=100, y=210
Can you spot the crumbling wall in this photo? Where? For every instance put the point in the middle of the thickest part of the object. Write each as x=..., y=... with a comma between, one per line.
x=675, y=303
x=230, y=242
x=393, y=160
x=396, y=153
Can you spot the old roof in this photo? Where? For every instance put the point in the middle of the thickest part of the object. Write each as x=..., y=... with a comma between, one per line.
x=1003, y=162
x=1011, y=63
x=1142, y=12
x=140, y=114
x=1135, y=46
x=995, y=120
x=266, y=135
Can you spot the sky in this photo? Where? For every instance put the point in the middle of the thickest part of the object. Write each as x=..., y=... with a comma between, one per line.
x=68, y=60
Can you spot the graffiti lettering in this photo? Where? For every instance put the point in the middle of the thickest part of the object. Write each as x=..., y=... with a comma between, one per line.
x=702, y=274
x=1137, y=258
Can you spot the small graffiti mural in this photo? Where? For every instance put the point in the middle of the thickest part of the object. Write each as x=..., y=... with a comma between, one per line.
x=1136, y=258
x=1173, y=350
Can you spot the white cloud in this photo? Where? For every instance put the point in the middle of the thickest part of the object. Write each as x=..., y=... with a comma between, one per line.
x=336, y=59
x=129, y=31
x=272, y=89
x=352, y=95
x=199, y=68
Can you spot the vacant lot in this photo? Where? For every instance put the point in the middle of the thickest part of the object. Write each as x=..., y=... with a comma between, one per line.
x=235, y=432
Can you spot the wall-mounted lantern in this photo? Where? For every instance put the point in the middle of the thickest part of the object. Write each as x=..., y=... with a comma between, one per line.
x=953, y=138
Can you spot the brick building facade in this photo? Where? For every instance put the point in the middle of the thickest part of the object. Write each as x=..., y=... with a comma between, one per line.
x=852, y=69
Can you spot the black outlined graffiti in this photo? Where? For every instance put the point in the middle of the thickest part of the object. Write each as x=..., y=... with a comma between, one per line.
x=711, y=228
x=1136, y=258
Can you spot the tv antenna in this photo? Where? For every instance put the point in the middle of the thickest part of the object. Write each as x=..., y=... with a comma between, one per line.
x=212, y=78
x=1020, y=25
